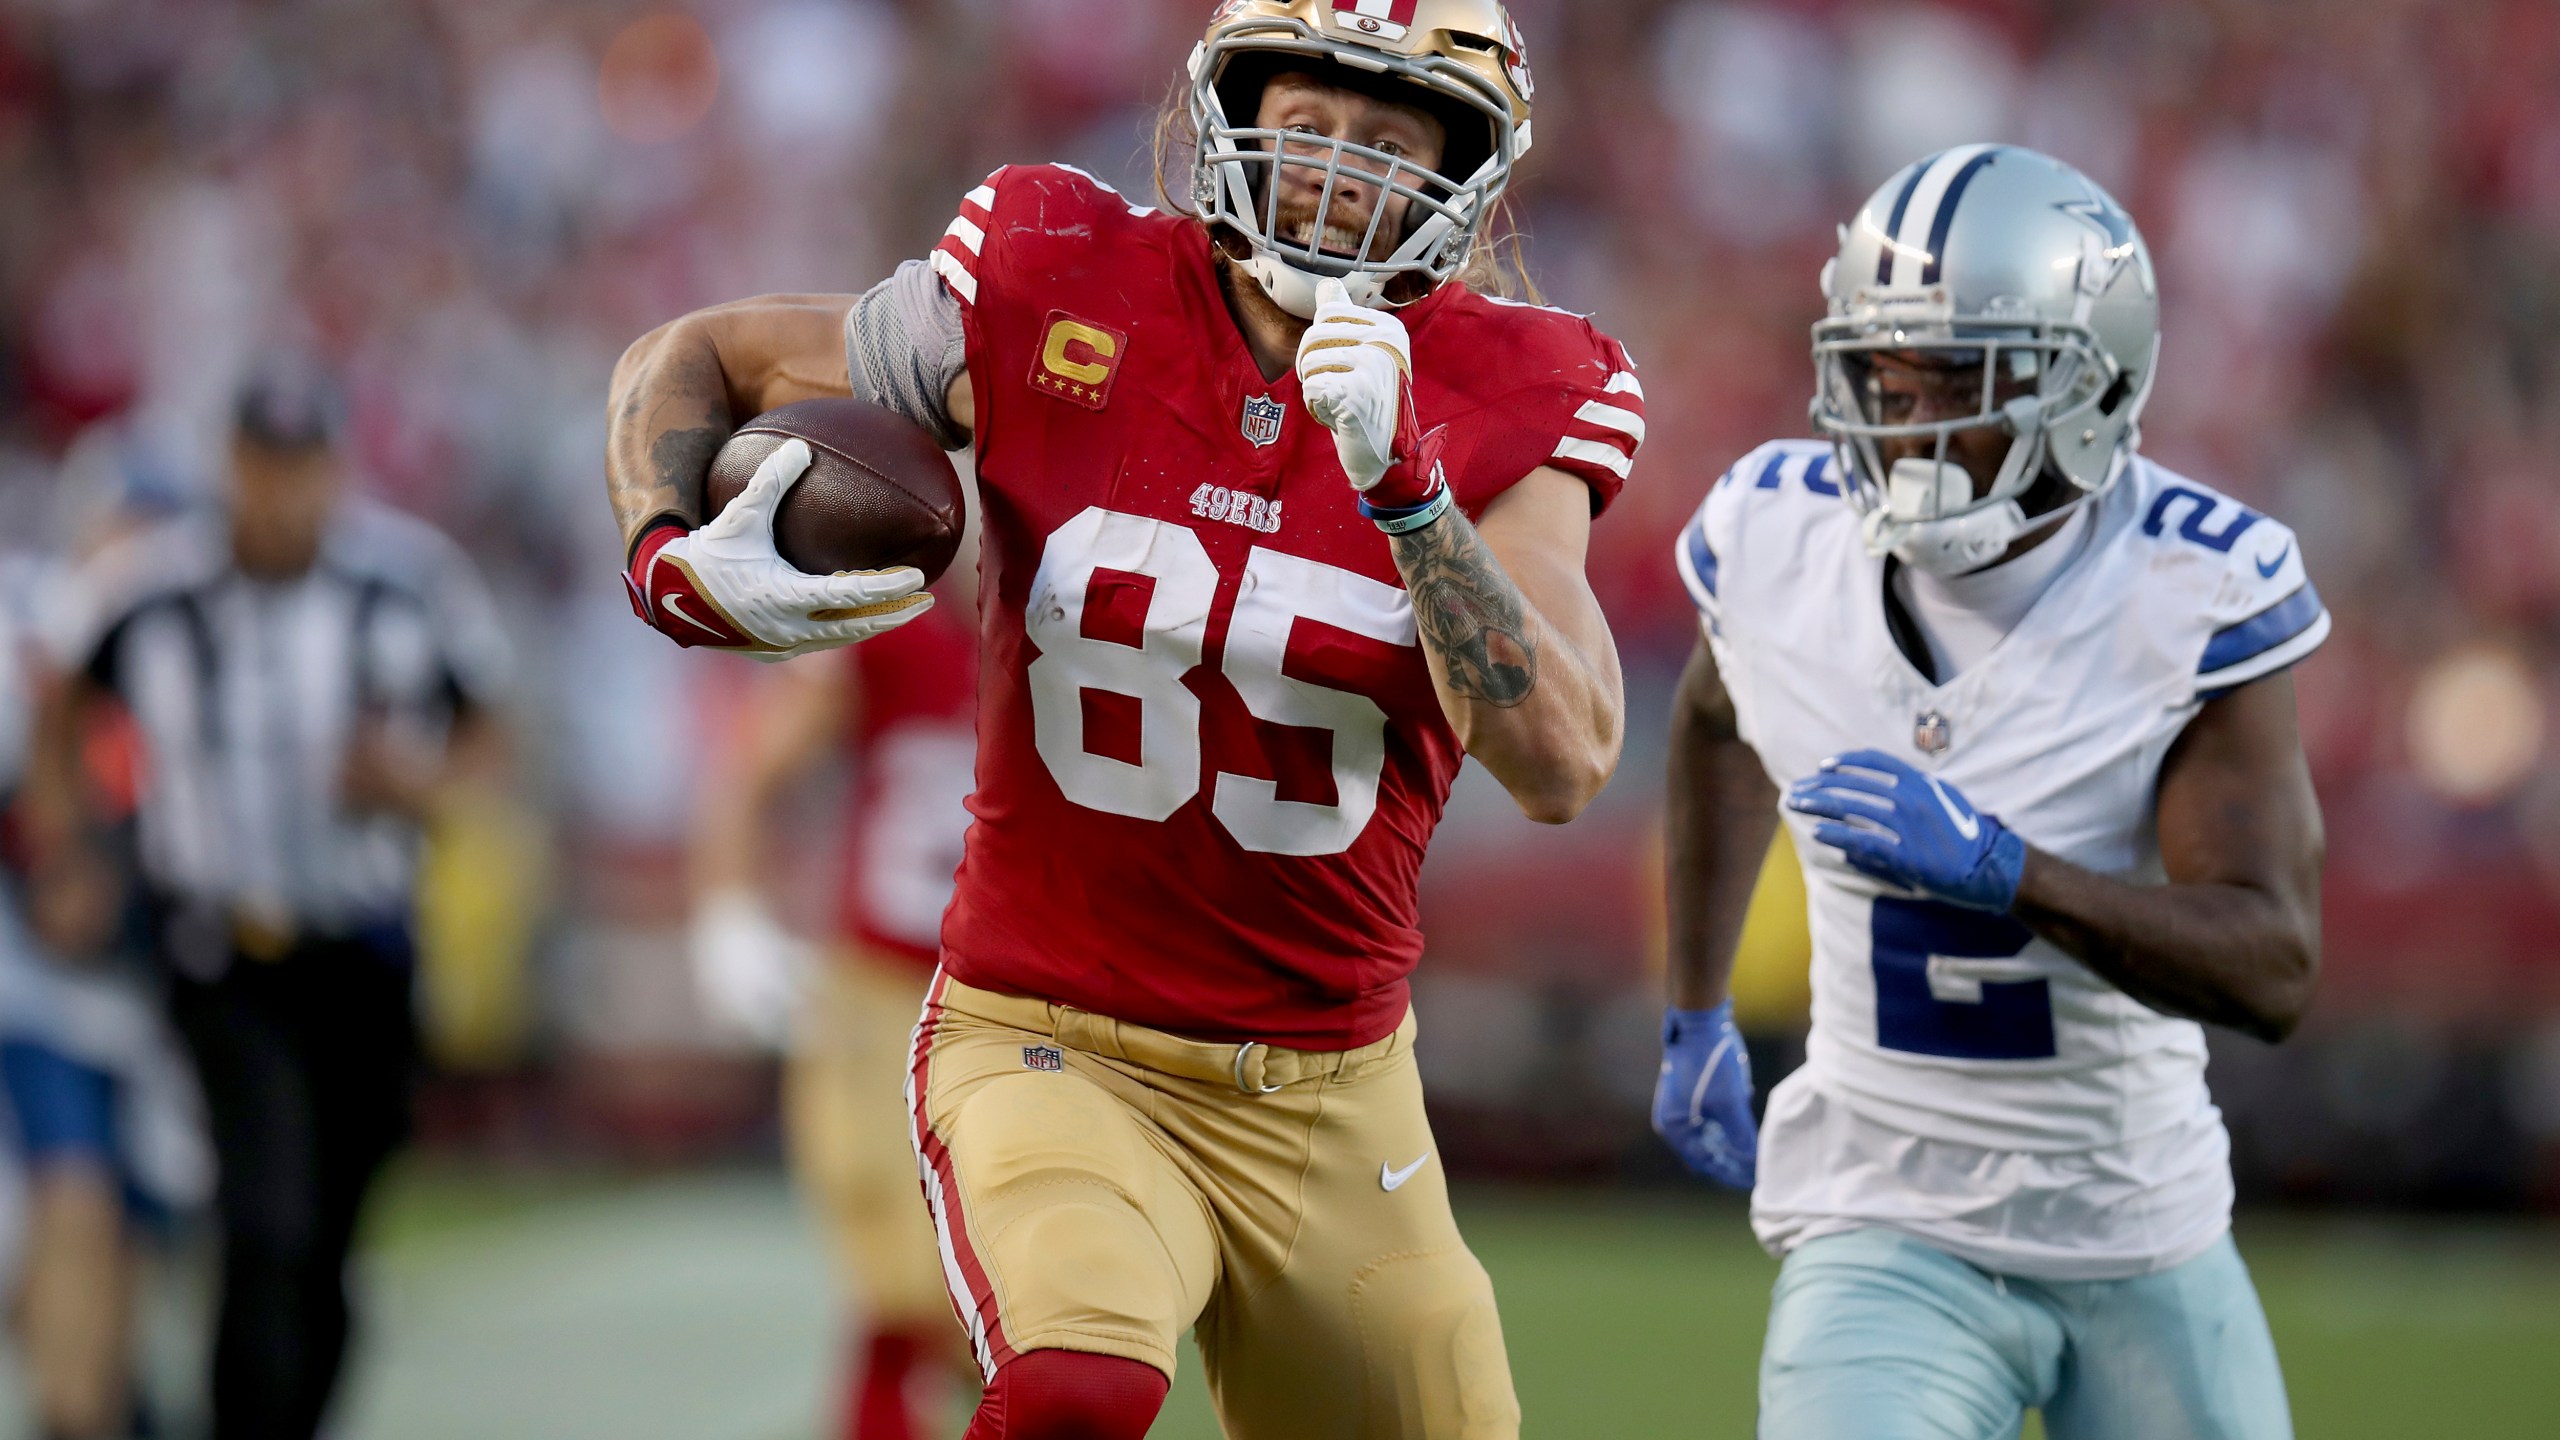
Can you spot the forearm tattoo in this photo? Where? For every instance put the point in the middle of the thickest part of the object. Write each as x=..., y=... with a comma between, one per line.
x=680, y=460
x=1469, y=612
x=668, y=392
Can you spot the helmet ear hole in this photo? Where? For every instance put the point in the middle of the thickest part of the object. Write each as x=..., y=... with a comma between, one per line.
x=2116, y=394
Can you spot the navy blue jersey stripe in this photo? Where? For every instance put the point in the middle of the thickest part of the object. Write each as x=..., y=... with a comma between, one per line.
x=1769, y=472
x=1946, y=217
x=1893, y=222
x=1702, y=559
x=2263, y=631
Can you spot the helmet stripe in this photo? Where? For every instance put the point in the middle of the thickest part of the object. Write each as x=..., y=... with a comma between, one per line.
x=1946, y=216
x=1394, y=12
x=1893, y=222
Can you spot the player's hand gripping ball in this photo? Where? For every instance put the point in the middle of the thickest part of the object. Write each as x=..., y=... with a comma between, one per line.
x=1702, y=1099
x=1355, y=367
x=725, y=586
x=1912, y=829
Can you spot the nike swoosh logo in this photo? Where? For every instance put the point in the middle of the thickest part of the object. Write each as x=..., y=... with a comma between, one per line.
x=1389, y=1179
x=668, y=603
x=1968, y=826
x=2267, y=568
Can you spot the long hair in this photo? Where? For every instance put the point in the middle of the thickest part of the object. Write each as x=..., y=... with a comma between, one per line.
x=1497, y=262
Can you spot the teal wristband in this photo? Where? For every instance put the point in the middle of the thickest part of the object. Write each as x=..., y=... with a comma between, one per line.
x=1396, y=522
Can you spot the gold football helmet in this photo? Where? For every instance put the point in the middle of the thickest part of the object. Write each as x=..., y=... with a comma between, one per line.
x=1465, y=60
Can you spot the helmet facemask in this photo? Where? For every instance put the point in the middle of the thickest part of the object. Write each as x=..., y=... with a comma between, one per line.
x=2031, y=380
x=1239, y=165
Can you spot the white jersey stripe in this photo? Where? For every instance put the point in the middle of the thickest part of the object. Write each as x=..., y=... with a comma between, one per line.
x=984, y=197
x=1593, y=452
x=1532, y=305
x=956, y=275
x=1105, y=186
x=966, y=231
x=1624, y=383
x=1610, y=417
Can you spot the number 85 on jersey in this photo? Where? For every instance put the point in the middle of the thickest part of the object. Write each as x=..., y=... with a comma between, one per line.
x=1080, y=658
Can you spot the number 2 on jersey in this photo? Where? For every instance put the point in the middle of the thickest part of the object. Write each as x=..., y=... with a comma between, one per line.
x=1950, y=1013
x=1146, y=660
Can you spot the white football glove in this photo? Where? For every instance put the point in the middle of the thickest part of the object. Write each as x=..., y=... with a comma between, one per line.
x=1353, y=366
x=751, y=971
x=725, y=586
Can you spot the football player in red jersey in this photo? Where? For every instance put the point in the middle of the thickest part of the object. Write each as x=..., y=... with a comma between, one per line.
x=1282, y=518
x=902, y=711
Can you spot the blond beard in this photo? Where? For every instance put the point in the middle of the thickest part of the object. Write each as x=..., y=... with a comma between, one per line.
x=1245, y=292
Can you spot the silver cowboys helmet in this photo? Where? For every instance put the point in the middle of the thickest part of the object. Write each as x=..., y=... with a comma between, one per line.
x=1464, y=62
x=2002, y=258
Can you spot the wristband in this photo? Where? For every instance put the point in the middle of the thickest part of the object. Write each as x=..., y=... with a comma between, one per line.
x=653, y=538
x=1411, y=517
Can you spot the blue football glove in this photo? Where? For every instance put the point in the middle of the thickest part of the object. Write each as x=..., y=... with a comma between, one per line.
x=1912, y=829
x=1702, y=1101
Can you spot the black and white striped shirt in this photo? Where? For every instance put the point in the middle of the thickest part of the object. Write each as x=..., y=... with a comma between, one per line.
x=247, y=693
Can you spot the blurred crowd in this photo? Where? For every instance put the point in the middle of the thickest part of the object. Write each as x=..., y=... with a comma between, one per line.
x=471, y=206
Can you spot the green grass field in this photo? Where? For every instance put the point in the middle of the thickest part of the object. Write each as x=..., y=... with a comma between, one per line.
x=696, y=1307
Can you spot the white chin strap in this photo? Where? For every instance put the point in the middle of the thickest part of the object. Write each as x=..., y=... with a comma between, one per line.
x=1915, y=524
x=1294, y=290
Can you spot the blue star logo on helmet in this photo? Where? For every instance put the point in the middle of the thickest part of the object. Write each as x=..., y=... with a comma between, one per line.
x=2100, y=214
x=2115, y=231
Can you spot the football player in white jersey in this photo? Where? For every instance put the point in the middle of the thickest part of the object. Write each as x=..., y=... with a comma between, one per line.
x=2021, y=694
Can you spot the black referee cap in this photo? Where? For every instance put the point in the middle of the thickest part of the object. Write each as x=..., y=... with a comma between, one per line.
x=289, y=402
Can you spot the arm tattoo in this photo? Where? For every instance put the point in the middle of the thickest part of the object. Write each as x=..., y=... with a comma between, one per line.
x=1469, y=612
x=681, y=460
x=667, y=392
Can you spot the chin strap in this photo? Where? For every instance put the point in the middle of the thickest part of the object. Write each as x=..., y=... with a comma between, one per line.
x=1294, y=290
x=1946, y=547
x=1930, y=519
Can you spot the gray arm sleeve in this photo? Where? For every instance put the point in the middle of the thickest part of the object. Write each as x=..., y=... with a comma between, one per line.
x=903, y=346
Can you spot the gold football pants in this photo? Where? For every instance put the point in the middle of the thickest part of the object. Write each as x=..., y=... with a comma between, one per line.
x=847, y=1137
x=1103, y=1187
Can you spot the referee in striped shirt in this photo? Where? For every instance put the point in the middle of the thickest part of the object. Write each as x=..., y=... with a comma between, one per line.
x=307, y=670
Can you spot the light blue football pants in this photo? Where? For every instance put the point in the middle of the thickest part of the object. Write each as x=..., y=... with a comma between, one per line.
x=1874, y=1335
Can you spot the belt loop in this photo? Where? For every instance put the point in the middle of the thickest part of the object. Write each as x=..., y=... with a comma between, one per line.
x=1244, y=1053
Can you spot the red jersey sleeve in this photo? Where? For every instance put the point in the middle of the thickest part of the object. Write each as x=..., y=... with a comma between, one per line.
x=1543, y=387
x=1603, y=420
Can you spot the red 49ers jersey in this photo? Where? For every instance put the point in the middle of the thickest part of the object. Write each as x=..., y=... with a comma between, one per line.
x=912, y=739
x=1210, y=756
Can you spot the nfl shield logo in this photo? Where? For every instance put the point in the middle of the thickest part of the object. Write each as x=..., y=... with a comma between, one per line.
x=1043, y=1057
x=1262, y=416
x=1931, y=734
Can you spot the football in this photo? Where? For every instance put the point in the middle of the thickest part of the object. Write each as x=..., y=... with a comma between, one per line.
x=878, y=492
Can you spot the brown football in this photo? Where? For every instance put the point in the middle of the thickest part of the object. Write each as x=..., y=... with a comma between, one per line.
x=878, y=492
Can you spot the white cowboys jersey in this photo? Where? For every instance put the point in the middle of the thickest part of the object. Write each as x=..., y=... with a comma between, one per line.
x=1966, y=1080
